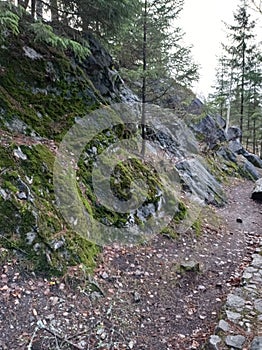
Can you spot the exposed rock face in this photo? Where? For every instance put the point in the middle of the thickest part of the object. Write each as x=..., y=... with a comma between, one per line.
x=253, y=158
x=233, y=133
x=196, y=107
x=40, y=99
x=99, y=66
x=42, y=95
x=211, y=131
x=199, y=181
x=236, y=147
x=257, y=191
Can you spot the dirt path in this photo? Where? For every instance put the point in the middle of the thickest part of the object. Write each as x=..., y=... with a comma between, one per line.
x=241, y=206
x=140, y=299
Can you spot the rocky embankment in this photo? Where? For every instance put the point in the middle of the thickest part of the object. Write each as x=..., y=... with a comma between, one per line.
x=43, y=93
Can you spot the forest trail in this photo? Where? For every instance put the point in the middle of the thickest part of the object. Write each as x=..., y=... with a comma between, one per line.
x=141, y=297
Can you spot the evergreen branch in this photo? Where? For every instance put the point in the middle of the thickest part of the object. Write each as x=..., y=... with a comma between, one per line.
x=9, y=21
x=45, y=33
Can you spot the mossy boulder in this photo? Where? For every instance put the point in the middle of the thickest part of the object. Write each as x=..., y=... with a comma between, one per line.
x=42, y=92
x=30, y=223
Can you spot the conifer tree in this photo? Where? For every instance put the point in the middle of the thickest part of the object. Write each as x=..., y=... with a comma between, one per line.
x=151, y=47
x=239, y=91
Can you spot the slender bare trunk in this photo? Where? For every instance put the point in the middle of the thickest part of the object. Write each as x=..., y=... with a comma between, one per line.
x=54, y=10
x=229, y=100
x=39, y=9
x=33, y=4
x=242, y=92
x=143, y=118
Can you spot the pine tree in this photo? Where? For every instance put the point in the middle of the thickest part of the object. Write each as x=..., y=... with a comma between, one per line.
x=241, y=36
x=238, y=86
x=256, y=5
x=150, y=49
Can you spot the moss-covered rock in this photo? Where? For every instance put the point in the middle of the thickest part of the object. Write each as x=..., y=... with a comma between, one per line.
x=30, y=223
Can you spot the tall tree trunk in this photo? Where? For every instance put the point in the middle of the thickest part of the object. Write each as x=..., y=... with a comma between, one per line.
x=54, y=11
x=33, y=3
x=143, y=118
x=39, y=9
x=24, y=4
x=242, y=92
x=229, y=101
x=254, y=136
x=249, y=113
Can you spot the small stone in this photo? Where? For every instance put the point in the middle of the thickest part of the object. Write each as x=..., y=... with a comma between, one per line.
x=222, y=326
x=54, y=300
x=201, y=287
x=19, y=154
x=235, y=301
x=100, y=331
x=137, y=297
x=95, y=295
x=103, y=336
x=3, y=194
x=104, y=275
x=190, y=266
x=213, y=343
x=236, y=341
x=131, y=344
x=258, y=305
x=257, y=260
x=21, y=195
x=256, y=343
x=239, y=220
x=247, y=275
x=233, y=316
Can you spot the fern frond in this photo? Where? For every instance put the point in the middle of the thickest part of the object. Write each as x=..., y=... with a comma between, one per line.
x=45, y=33
x=9, y=21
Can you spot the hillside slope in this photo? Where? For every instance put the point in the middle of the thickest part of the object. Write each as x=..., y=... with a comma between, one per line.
x=44, y=92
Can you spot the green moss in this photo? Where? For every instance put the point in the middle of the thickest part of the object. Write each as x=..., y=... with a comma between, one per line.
x=82, y=251
x=6, y=158
x=37, y=217
x=170, y=232
x=197, y=227
x=124, y=174
x=9, y=186
x=179, y=216
x=47, y=94
x=22, y=218
x=181, y=213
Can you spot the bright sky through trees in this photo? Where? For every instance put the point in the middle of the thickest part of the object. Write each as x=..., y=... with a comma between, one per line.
x=202, y=20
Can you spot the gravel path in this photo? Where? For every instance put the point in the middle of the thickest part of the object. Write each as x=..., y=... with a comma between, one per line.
x=240, y=326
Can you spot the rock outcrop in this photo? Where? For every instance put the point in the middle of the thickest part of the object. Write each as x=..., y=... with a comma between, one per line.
x=43, y=93
x=257, y=191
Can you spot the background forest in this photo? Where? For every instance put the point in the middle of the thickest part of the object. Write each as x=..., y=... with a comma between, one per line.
x=148, y=48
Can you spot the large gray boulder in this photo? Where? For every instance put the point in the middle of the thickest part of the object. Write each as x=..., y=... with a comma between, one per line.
x=198, y=180
x=250, y=170
x=256, y=343
x=236, y=147
x=254, y=159
x=257, y=191
x=233, y=133
x=210, y=131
